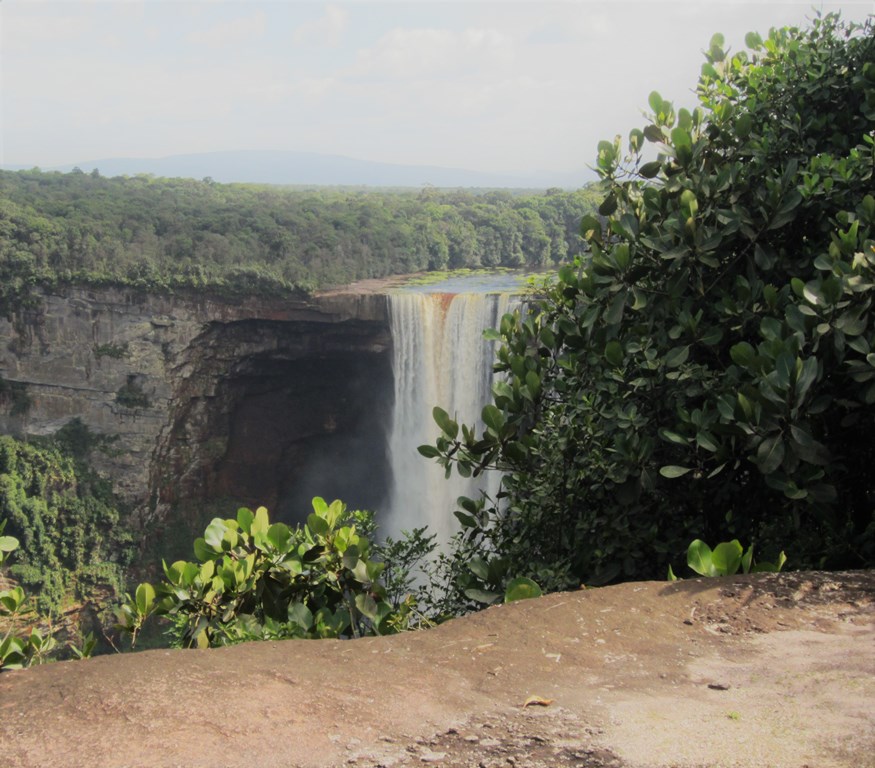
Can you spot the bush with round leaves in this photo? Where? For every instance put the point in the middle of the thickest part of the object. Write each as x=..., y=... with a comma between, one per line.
x=253, y=579
x=708, y=368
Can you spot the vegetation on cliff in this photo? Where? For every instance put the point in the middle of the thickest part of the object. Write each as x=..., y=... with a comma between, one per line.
x=708, y=367
x=161, y=234
x=73, y=539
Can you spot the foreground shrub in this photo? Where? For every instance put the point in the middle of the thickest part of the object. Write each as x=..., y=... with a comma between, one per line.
x=253, y=579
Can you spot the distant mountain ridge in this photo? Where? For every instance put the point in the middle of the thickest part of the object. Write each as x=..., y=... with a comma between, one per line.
x=310, y=168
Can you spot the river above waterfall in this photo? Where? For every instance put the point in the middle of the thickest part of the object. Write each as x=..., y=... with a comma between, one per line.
x=467, y=281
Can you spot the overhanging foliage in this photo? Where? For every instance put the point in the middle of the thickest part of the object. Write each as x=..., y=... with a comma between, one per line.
x=708, y=369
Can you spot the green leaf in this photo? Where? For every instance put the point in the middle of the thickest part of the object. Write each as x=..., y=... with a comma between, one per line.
x=202, y=551
x=813, y=293
x=743, y=125
x=765, y=257
x=742, y=354
x=653, y=133
x=614, y=312
x=614, y=353
x=8, y=544
x=785, y=368
x=521, y=588
x=649, y=170
x=639, y=299
x=449, y=427
x=244, y=519
x=726, y=557
x=746, y=405
x=280, y=536
x=707, y=441
x=805, y=378
x=590, y=227
x=492, y=418
x=317, y=524
x=261, y=522
x=429, y=451
x=712, y=336
x=699, y=558
x=11, y=600
x=207, y=571
x=681, y=138
x=214, y=534
x=673, y=437
x=533, y=382
x=482, y=596
x=479, y=567
x=145, y=598
x=747, y=559
x=677, y=356
x=770, y=454
x=466, y=520
x=672, y=471
x=770, y=567
x=609, y=205
x=367, y=606
x=636, y=140
x=547, y=338
x=807, y=448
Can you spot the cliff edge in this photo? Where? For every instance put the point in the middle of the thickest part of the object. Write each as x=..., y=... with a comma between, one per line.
x=761, y=670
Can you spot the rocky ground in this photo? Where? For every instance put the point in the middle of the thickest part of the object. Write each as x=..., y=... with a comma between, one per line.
x=766, y=670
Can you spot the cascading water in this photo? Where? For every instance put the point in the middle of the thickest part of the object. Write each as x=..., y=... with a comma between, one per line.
x=440, y=358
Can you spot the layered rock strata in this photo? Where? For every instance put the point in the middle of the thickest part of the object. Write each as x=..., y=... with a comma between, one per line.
x=204, y=398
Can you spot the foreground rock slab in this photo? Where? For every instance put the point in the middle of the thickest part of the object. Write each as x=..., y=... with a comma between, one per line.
x=765, y=670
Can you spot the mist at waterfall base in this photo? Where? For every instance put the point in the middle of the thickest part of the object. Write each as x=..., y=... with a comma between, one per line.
x=440, y=358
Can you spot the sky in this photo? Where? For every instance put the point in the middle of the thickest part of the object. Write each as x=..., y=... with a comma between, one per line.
x=501, y=86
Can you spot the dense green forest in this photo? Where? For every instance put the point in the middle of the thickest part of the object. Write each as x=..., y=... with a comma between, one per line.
x=168, y=233
x=74, y=540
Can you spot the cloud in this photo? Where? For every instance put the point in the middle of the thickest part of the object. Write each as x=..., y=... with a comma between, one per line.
x=326, y=31
x=230, y=33
x=429, y=52
x=25, y=28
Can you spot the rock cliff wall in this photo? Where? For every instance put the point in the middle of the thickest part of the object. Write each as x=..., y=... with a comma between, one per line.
x=206, y=398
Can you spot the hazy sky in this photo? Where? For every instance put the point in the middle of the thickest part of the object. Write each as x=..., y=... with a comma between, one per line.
x=494, y=86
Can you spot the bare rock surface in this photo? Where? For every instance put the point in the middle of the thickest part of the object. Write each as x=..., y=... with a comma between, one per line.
x=765, y=670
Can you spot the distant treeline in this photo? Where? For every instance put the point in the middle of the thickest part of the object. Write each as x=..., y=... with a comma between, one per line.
x=160, y=233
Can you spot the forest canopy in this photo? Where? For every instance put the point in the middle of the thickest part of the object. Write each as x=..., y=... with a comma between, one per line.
x=161, y=234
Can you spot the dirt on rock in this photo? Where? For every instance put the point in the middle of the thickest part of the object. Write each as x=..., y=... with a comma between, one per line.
x=768, y=670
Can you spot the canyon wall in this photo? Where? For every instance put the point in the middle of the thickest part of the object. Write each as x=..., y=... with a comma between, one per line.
x=254, y=401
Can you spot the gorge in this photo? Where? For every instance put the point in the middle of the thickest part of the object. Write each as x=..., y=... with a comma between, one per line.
x=207, y=404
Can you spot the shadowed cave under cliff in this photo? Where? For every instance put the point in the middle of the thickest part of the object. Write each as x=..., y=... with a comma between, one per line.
x=274, y=413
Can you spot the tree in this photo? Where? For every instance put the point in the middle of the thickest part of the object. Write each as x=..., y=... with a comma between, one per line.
x=707, y=369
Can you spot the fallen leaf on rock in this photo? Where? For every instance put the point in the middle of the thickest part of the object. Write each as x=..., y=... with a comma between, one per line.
x=537, y=701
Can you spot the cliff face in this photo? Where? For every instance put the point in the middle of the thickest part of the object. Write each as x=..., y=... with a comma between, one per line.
x=257, y=402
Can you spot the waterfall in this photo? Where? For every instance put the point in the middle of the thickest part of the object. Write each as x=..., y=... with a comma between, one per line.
x=440, y=358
